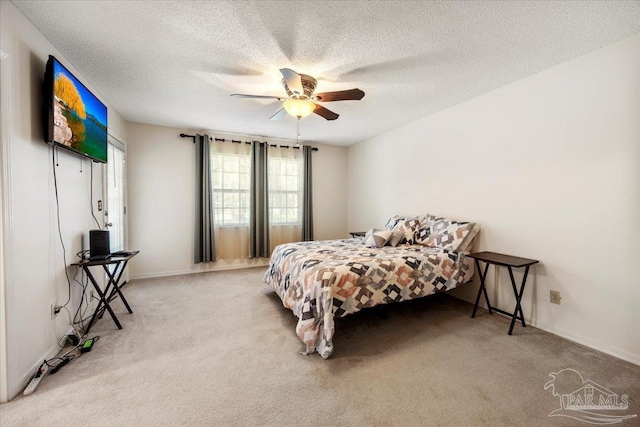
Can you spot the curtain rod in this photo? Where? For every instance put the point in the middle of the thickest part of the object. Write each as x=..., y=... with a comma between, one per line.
x=236, y=141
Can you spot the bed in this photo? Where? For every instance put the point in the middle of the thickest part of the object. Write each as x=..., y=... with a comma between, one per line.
x=322, y=280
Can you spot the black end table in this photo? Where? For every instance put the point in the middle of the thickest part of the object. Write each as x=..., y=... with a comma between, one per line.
x=510, y=262
x=358, y=233
x=112, y=290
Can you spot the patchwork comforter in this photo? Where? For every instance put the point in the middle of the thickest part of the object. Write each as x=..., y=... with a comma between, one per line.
x=333, y=278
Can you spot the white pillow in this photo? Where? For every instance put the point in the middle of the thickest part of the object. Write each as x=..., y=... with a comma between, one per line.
x=377, y=238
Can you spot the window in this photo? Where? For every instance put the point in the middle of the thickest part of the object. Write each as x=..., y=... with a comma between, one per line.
x=285, y=191
x=231, y=183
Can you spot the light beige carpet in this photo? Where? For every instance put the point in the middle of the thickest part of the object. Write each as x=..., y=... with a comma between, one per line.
x=218, y=349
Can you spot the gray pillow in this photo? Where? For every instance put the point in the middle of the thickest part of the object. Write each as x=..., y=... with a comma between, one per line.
x=377, y=238
x=397, y=236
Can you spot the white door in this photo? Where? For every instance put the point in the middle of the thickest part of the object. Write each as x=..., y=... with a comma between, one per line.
x=115, y=207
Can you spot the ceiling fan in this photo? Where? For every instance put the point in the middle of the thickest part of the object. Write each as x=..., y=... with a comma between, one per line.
x=301, y=101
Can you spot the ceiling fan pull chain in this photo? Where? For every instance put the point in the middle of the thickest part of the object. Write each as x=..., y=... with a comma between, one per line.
x=298, y=134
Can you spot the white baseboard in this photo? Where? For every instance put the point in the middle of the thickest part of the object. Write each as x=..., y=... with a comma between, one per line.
x=588, y=342
x=182, y=272
x=577, y=338
x=26, y=379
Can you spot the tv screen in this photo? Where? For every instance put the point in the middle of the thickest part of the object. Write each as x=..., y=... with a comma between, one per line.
x=75, y=120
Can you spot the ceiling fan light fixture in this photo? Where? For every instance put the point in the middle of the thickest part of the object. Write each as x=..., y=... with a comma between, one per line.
x=299, y=107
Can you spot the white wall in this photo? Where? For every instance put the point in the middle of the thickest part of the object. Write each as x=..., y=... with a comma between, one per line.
x=550, y=166
x=34, y=267
x=161, y=198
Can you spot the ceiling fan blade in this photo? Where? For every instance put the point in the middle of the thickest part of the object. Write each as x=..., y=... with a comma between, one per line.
x=327, y=114
x=293, y=80
x=240, y=95
x=341, y=95
x=280, y=114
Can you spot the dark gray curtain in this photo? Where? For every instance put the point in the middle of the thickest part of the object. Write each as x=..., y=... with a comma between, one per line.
x=259, y=206
x=307, y=195
x=204, y=242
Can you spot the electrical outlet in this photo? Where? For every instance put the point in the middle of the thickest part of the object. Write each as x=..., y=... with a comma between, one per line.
x=53, y=311
x=555, y=297
x=91, y=295
x=99, y=205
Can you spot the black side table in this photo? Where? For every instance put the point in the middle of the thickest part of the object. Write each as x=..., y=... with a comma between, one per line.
x=358, y=233
x=113, y=287
x=509, y=262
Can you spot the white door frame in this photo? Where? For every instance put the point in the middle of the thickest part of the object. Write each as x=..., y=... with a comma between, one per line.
x=7, y=309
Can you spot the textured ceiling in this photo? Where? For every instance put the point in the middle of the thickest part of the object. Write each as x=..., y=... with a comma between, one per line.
x=176, y=63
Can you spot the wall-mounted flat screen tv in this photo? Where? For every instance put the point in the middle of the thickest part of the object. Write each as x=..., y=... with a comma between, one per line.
x=75, y=119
